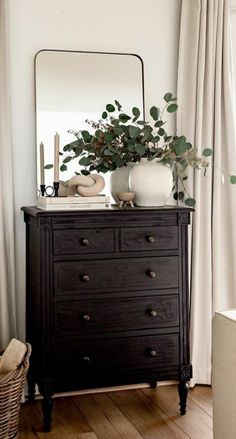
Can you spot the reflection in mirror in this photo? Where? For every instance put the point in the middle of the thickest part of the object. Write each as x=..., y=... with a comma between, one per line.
x=74, y=86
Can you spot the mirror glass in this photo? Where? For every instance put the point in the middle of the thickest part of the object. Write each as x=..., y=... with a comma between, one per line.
x=74, y=86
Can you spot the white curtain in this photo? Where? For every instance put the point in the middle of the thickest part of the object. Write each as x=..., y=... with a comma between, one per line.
x=7, y=263
x=207, y=117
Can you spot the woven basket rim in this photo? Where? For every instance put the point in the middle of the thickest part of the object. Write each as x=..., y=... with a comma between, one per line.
x=13, y=374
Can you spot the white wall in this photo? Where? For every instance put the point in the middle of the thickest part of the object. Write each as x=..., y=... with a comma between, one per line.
x=149, y=28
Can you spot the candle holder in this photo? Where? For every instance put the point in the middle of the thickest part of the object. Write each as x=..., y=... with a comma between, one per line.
x=56, y=188
x=43, y=189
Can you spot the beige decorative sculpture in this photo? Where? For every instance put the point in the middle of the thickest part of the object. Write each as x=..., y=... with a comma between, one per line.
x=86, y=186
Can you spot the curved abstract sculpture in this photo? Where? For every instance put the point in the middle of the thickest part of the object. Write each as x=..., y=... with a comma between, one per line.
x=86, y=186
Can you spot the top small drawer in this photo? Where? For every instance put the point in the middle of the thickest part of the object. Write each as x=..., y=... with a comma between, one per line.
x=149, y=238
x=83, y=241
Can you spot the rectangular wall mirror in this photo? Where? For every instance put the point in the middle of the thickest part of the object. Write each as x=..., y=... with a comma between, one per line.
x=74, y=86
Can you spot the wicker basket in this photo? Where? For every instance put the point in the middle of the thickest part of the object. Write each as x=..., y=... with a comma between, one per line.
x=11, y=389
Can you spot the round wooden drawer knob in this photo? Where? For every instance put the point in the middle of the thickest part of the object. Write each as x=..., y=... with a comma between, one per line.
x=85, y=277
x=153, y=313
x=86, y=317
x=86, y=359
x=151, y=239
x=153, y=353
x=152, y=274
x=85, y=241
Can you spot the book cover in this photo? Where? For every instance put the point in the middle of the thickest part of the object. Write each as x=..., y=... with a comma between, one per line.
x=75, y=206
x=73, y=200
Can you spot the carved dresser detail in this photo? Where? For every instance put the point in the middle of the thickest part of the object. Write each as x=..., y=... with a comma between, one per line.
x=107, y=299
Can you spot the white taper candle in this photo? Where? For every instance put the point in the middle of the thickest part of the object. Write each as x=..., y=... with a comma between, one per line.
x=56, y=157
x=41, y=151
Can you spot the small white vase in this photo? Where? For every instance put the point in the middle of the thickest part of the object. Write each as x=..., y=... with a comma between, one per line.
x=119, y=180
x=152, y=183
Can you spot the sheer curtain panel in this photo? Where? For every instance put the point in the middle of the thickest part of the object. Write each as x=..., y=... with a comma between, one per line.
x=206, y=115
x=7, y=263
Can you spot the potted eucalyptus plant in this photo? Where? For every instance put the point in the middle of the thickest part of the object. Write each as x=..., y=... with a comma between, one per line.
x=119, y=139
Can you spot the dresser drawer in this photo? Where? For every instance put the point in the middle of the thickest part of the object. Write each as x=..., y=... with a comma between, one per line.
x=112, y=356
x=149, y=238
x=80, y=277
x=98, y=316
x=83, y=241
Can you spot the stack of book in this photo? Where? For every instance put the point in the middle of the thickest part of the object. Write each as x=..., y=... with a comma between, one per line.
x=74, y=203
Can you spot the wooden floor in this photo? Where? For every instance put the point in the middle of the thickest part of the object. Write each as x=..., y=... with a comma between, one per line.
x=129, y=414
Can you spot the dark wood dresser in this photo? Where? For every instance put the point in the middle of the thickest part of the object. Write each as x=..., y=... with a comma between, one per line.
x=107, y=299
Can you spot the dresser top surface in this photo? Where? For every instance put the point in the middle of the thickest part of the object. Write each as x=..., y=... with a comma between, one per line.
x=35, y=211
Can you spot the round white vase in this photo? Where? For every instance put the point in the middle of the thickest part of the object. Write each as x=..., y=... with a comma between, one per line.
x=119, y=180
x=152, y=183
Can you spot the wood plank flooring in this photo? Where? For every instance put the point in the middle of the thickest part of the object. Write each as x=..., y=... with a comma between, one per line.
x=128, y=414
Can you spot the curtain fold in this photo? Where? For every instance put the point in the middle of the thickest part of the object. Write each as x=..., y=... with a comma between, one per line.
x=206, y=117
x=7, y=259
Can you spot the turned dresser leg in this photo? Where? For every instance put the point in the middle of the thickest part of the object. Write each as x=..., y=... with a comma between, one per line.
x=185, y=374
x=183, y=393
x=46, y=390
x=47, y=412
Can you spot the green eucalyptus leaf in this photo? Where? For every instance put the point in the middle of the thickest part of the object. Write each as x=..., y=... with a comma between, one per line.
x=70, y=146
x=104, y=115
x=48, y=166
x=181, y=196
x=172, y=108
x=99, y=133
x=118, y=131
x=207, y=152
x=108, y=137
x=147, y=130
x=67, y=159
x=85, y=161
x=168, y=97
x=140, y=149
x=190, y=202
x=155, y=113
x=175, y=196
x=124, y=117
x=110, y=108
x=141, y=122
x=136, y=112
x=86, y=136
x=115, y=122
x=131, y=147
x=155, y=139
x=181, y=149
x=85, y=172
x=118, y=105
x=161, y=132
x=63, y=168
x=159, y=123
x=134, y=132
x=232, y=179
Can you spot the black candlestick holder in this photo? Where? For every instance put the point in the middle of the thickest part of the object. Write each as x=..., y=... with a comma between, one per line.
x=56, y=188
x=43, y=189
x=49, y=191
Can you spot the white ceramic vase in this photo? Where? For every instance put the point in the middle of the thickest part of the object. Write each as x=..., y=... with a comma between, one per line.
x=119, y=180
x=152, y=183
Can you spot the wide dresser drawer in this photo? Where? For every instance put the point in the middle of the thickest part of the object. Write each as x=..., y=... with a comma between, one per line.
x=101, y=357
x=114, y=315
x=80, y=277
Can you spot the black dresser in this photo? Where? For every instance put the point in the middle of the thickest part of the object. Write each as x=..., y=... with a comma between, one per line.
x=107, y=299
